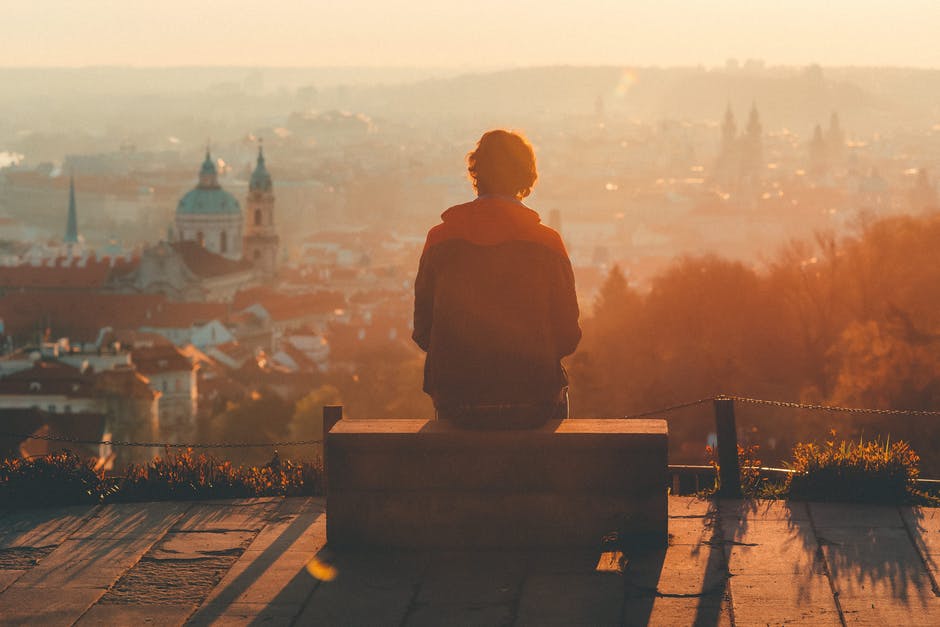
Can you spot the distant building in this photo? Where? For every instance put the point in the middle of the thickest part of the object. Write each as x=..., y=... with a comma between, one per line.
x=184, y=271
x=210, y=216
x=64, y=401
x=740, y=162
x=173, y=376
x=261, y=239
x=71, y=226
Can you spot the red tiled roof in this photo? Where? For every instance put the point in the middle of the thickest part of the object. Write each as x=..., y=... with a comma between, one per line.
x=285, y=307
x=252, y=295
x=206, y=264
x=77, y=316
x=49, y=377
x=63, y=273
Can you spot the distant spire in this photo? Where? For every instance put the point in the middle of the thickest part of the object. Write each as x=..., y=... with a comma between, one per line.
x=260, y=178
x=753, y=122
x=71, y=227
x=729, y=129
x=208, y=174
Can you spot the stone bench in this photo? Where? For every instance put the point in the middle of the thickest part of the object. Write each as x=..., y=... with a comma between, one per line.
x=420, y=483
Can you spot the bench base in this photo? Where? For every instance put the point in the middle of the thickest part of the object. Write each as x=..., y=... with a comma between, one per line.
x=427, y=484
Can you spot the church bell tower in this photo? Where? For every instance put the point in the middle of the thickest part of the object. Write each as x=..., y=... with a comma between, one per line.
x=261, y=240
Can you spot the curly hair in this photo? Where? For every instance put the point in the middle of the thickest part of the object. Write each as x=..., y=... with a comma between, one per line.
x=502, y=163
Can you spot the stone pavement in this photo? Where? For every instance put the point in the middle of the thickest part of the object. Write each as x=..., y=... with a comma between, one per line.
x=264, y=561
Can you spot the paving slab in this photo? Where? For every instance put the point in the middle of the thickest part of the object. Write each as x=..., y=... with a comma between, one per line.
x=198, y=545
x=85, y=564
x=250, y=614
x=42, y=527
x=130, y=520
x=141, y=614
x=374, y=587
x=244, y=515
x=772, y=547
x=923, y=524
x=571, y=599
x=690, y=506
x=697, y=530
x=27, y=605
x=775, y=599
x=707, y=611
x=8, y=577
x=679, y=570
x=880, y=611
x=472, y=579
x=762, y=510
x=853, y=515
x=272, y=571
x=459, y=615
x=881, y=562
x=304, y=532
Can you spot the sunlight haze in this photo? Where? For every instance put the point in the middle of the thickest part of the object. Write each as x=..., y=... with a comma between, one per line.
x=486, y=33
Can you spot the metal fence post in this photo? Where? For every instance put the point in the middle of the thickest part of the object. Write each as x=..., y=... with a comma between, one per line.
x=331, y=415
x=729, y=474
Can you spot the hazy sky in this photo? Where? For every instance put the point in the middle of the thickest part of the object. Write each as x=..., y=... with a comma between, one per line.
x=472, y=33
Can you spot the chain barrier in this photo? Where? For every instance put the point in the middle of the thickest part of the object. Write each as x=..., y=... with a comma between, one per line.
x=159, y=444
x=664, y=410
x=831, y=408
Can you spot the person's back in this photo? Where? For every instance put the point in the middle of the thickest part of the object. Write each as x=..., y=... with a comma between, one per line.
x=495, y=305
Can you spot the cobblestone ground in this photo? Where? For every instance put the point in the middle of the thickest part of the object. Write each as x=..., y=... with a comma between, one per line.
x=265, y=561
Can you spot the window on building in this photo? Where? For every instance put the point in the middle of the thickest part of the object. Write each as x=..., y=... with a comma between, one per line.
x=257, y=217
x=67, y=409
x=51, y=409
x=35, y=386
x=257, y=254
x=223, y=242
x=163, y=385
x=201, y=238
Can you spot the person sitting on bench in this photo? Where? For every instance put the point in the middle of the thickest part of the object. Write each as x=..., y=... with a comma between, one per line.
x=495, y=305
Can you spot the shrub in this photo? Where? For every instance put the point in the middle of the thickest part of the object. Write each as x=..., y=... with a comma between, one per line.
x=753, y=485
x=62, y=478
x=868, y=471
x=66, y=479
x=187, y=476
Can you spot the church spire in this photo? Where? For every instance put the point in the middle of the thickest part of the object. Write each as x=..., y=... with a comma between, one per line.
x=260, y=178
x=208, y=174
x=71, y=226
x=729, y=129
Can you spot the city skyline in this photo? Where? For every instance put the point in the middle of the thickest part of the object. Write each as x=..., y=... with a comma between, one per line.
x=485, y=34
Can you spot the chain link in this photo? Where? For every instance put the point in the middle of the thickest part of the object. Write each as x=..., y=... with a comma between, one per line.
x=831, y=408
x=160, y=444
x=664, y=410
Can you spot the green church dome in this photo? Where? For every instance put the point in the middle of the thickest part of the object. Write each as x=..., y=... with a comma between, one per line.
x=208, y=201
x=208, y=197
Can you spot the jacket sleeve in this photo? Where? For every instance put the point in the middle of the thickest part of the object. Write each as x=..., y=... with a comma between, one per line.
x=565, y=311
x=424, y=302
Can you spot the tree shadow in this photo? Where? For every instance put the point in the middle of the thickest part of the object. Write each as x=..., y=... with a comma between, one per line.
x=690, y=571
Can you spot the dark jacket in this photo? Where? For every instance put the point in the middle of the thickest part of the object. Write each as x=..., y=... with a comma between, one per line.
x=495, y=305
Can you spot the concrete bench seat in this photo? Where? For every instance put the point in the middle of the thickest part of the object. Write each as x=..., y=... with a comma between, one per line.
x=419, y=483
